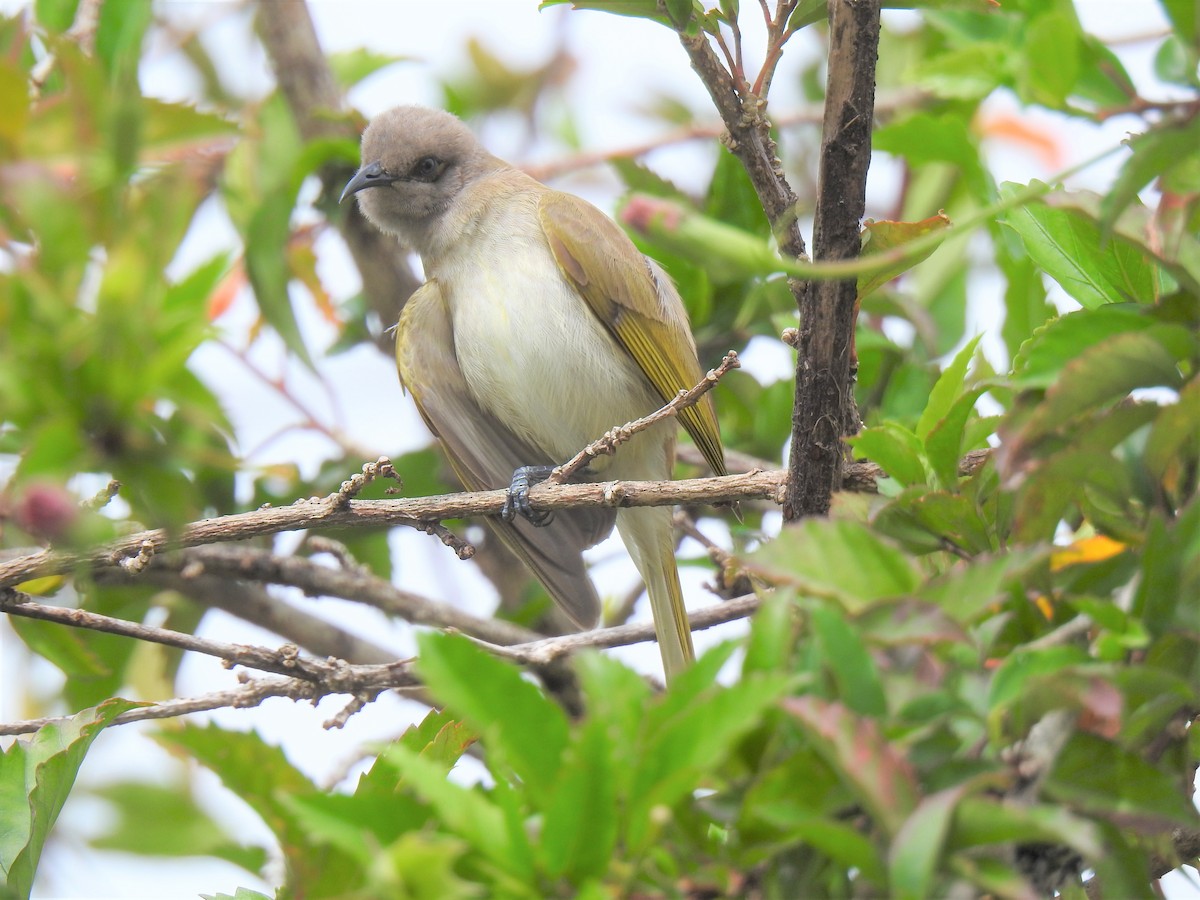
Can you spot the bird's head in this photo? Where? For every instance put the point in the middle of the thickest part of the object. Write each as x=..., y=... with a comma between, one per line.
x=416, y=162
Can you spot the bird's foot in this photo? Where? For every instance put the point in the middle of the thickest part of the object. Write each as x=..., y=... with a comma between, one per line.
x=517, y=499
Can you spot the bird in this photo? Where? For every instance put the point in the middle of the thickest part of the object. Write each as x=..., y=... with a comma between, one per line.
x=539, y=327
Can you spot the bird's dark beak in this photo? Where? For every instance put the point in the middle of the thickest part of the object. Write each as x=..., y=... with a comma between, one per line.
x=369, y=176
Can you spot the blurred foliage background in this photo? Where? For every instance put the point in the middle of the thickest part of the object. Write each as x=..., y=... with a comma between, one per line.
x=880, y=729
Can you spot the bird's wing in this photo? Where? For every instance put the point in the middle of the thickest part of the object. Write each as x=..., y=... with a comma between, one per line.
x=484, y=453
x=637, y=303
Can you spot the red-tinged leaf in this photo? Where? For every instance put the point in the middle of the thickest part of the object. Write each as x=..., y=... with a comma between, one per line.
x=226, y=292
x=1104, y=373
x=887, y=237
x=875, y=771
x=302, y=260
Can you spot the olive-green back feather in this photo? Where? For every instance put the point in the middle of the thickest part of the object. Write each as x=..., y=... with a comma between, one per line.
x=638, y=304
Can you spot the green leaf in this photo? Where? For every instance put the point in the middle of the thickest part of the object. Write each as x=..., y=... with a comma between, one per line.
x=1051, y=58
x=1074, y=252
x=839, y=841
x=580, y=826
x=946, y=391
x=1102, y=778
x=1011, y=678
x=683, y=745
x=1185, y=19
x=844, y=560
x=36, y=775
x=1174, y=429
x=638, y=9
x=349, y=67
x=895, y=449
x=968, y=590
x=982, y=820
x=262, y=777
x=119, y=34
x=772, y=634
x=239, y=894
x=466, y=812
x=527, y=730
x=881, y=778
x=925, y=138
x=944, y=444
x=161, y=820
x=1103, y=374
x=849, y=661
x=55, y=15
x=1042, y=357
x=913, y=858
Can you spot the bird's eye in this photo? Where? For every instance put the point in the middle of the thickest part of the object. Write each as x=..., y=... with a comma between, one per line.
x=427, y=168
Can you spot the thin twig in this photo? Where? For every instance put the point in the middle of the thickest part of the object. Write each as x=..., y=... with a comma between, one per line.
x=547, y=650
x=343, y=678
x=608, y=444
x=286, y=660
x=355, y=584
x=414, y=511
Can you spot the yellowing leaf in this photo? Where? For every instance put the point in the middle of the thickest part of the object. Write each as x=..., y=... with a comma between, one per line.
x=1087, y=550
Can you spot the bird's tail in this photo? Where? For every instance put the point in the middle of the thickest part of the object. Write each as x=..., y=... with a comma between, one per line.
x=647, y=534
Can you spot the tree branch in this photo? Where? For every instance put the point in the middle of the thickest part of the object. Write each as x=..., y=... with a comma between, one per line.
x=336, y=512
x=824, y=408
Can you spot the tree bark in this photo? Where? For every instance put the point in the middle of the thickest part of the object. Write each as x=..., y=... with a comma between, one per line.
x=824, y=409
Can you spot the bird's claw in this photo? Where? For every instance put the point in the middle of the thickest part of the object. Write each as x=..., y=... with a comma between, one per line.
x=516, y=500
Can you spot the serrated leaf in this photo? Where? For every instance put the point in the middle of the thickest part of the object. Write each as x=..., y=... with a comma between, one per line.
x=1103, y=374
x=516, y=720
x=466, y=812
x=1072, y=249
x=839, y=559
x=36, y=776
x=681, y=750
